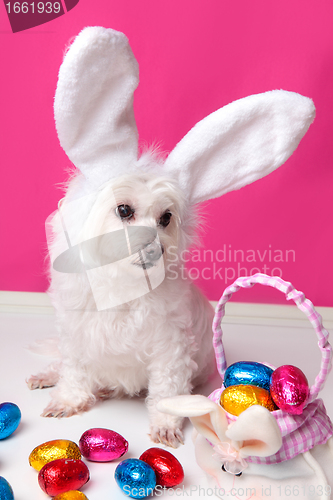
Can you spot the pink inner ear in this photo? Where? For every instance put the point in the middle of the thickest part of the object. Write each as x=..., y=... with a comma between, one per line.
x=260, y=445
x=204, y=426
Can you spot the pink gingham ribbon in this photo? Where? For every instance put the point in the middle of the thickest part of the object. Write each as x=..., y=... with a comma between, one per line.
x=302, y=432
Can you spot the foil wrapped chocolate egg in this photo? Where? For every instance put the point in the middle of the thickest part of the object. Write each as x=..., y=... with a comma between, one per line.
x=10, y=417
x=289, y=389
x=71, y=495
x=237, y=398
x=135, y=477
x=6, y=492
x=53, y=450
x=102, y=445
x=249, y=373
x=63, y=475
x=167, y=468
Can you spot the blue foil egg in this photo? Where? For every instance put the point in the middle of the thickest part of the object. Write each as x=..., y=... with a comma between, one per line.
x=248, y=372
x=10, y=417
x=135, y=477
x=6, y=492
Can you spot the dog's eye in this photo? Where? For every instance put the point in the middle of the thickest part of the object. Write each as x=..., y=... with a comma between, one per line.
x=165, y=219
x=124, y=212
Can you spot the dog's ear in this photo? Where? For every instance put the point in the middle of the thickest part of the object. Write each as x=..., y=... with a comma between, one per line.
x=207, y=417
x=240, y=143
x=93, y=104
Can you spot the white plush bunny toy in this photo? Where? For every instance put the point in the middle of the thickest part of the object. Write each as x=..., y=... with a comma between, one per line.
x=262, y=453
x=128, y=320
x=221, y=450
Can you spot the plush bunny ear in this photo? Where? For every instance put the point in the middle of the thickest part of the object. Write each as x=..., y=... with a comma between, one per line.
x=258, y=431
x=240, y=143
x=255, y=431
x=93, y=104
x=207, y=417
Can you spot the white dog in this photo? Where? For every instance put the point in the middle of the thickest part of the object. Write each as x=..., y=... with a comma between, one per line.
x=127, y=318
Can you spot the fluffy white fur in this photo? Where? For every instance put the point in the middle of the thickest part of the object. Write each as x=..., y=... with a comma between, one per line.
x=160, y=341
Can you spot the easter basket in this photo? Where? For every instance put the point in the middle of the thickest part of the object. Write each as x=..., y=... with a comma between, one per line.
x=300, y=433
x=262, y=453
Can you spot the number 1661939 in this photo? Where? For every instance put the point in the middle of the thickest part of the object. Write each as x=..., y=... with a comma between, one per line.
x=33, y=7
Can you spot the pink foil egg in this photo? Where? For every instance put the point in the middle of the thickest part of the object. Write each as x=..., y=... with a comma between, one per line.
x=102, y=445
x=289, y=389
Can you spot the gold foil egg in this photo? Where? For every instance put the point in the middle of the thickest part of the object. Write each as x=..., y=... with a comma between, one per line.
x=237, y=398
x=71, y=495
x=53, y=450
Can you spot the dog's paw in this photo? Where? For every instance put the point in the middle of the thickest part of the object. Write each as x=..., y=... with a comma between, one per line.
x=59, y=409
x=104, y=394
x=41, y=381
x=170, y=437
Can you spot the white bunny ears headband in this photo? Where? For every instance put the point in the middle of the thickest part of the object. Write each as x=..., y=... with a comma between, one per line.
x=228, y=149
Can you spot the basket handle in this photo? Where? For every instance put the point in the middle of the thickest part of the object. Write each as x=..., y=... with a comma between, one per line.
x=302, y=303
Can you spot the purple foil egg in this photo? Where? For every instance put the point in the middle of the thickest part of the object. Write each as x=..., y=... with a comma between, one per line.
x=102, y=445
x=289, y=389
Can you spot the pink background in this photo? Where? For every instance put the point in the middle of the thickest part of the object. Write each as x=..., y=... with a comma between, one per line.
x=195, y=56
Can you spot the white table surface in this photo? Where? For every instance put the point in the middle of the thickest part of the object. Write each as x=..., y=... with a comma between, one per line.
x=274, y=344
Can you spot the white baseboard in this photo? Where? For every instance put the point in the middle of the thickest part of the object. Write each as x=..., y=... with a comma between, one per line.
x=273, y=314
x=25, y=302
x=236, y=312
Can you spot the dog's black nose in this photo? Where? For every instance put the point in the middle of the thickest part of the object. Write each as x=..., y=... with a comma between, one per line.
x=153, y=251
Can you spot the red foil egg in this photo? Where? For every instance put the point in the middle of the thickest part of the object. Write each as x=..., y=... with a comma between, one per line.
x=289, y=389
x=63, y=475
x=167, y=468
x=102, y=445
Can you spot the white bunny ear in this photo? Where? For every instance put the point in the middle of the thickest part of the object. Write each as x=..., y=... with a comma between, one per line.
x=93, y=104
x=187, y=405
x=240, y=143
x=258, y=431
x=207, y=417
